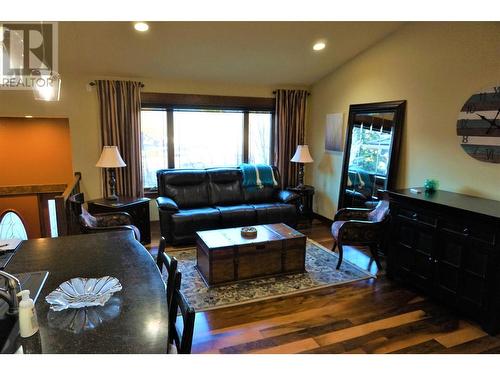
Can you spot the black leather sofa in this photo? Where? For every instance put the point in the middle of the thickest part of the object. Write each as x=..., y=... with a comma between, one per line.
x=191, y=200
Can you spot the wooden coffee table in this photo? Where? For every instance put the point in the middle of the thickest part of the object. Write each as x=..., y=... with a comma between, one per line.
x=224, y=256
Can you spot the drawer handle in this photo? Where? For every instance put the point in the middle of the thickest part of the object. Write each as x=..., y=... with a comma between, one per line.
x=466, y=231
x=414, y=216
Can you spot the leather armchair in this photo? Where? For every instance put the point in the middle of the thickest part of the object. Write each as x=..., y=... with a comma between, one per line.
x=358, y=226
x=107, y=222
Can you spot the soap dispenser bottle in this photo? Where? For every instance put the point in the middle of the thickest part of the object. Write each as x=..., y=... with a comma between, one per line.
x=28, y=322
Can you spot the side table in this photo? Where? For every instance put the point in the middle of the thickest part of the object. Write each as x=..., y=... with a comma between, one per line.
x=138, y=208
x=305, y=203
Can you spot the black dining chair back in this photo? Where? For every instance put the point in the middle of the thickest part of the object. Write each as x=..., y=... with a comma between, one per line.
x=181, y=336
x=170, y=264
x=73, y=210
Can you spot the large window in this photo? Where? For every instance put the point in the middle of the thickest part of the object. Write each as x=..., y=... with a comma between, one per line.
x=204, y=139
x=190, y=137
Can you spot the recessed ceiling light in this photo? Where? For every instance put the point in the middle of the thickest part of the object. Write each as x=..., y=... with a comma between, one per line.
x=141, y=26
x=28, y=116
x=318, y=46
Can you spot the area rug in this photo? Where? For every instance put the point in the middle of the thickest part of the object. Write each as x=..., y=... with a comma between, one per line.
x=321, y=273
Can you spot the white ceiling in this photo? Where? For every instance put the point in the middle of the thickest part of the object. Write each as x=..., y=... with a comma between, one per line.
x=268, y=53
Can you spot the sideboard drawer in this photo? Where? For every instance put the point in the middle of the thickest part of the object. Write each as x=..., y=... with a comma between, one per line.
x=418, y=216
x=479, y=231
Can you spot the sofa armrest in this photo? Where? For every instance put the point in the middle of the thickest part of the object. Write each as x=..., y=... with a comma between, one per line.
x=167, y=204
x=286, y=196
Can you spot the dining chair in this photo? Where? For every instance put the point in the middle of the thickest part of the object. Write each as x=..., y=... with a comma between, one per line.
x=170, y=263
x=107, y=222
x=96, y=223
x=181, y=336
x=358, y=226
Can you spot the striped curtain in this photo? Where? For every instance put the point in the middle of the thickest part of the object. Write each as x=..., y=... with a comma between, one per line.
x=289, y=130
x=120, y=116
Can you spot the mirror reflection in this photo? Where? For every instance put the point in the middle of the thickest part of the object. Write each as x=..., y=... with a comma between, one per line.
x=372, y=136
x=373, y=133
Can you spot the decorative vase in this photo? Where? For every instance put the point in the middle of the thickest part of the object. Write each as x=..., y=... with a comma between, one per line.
x=430, y=185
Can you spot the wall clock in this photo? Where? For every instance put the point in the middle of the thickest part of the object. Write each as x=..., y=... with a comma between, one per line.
x=478, y=125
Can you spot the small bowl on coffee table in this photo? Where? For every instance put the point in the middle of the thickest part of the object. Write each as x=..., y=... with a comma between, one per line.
x=249, y=232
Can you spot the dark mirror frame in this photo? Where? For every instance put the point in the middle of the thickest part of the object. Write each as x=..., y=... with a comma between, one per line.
x=398, y=107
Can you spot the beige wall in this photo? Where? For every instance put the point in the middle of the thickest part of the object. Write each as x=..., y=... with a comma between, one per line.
x=79, y=105
x=435, y=67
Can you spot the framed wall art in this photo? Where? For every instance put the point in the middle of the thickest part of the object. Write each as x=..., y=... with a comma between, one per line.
x=333, y=132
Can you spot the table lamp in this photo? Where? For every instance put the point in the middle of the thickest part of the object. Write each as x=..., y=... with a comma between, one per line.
x=111, y=159
x=302, y=156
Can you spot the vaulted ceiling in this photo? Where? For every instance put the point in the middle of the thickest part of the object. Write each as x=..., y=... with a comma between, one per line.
x=273, y=53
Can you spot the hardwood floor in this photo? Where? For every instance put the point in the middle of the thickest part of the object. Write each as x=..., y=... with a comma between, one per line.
x=369, y=316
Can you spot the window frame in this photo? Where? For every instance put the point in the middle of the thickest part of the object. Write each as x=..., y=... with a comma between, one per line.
x=18, y=215
x=169, y=102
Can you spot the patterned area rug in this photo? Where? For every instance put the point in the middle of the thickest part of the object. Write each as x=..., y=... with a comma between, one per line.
x=321, y=273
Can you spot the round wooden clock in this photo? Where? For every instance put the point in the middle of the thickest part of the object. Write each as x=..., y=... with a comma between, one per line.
x=478, y=125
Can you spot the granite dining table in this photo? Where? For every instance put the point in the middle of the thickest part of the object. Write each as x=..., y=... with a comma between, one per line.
x=134, y=320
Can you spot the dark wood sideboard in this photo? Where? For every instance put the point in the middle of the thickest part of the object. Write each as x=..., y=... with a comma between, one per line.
x=448, y=246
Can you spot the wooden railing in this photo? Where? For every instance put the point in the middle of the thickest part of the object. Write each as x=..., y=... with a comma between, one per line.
x=31, y=189
x=65, y=222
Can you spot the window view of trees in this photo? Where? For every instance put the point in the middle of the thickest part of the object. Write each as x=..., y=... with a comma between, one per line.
x=203, y=139
x=259, y=143
x=154, y=144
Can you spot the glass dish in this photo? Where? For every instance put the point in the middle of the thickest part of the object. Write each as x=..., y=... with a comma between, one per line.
x=82, y=292
x=84, y=319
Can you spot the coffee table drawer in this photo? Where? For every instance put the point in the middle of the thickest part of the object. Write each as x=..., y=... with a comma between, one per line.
x=294, y=260
x=293, y=243
x=259, y=248
x=269, y=260
x=222, y=266
x=222, y=271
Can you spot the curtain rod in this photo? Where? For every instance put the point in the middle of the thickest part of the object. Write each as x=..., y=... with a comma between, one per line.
x=308, y=94
x=92, y=83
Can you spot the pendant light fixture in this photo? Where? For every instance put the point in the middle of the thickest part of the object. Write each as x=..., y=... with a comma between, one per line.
x=46, y=85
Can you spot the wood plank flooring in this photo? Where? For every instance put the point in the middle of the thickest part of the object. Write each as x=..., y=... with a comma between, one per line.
x=368, y=316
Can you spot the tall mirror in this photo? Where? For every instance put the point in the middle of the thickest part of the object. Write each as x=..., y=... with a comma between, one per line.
x=371, y=152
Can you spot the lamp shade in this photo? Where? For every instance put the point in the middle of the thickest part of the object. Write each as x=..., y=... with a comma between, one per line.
x=302, y=155
x=110, y=158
